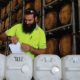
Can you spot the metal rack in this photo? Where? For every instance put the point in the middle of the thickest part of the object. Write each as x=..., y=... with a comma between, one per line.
x=72, y=22
x=3, y=18
x=79, y=14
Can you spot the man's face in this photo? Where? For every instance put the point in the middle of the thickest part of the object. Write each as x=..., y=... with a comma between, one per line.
x=29, y=19
x=29, y=23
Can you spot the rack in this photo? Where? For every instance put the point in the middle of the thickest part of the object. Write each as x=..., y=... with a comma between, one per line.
x=68, y=26
x=79, y=14
x=7, y=15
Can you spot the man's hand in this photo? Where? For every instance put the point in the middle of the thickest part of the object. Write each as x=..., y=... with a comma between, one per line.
x=25, y=47
x=14, y=39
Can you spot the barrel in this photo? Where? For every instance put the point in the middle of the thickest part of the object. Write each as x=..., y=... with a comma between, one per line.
x=0, y=42
x=37, y=4
x=48, y=1
x=29, y=5
x=19, y=15
x=14, y=3
x=3, y=11
x=65, y=45
x=4, y=43
x=3, y=52
x=6, y=23
x=51, y=20
x=65, y=14
x=38, y=22
x=19, y=1
x=7, y=8
x=2, y=26
x=13, y=18
x=52, y=46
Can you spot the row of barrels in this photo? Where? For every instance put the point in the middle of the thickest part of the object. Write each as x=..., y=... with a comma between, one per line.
x=2, y=43
x=35, y=5
x=63, y=46
x=16, y=17
x=64, y=17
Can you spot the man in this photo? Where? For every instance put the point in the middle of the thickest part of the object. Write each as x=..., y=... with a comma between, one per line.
x=30, y=35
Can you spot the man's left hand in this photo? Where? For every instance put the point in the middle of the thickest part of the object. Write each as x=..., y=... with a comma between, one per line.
x=25, y=47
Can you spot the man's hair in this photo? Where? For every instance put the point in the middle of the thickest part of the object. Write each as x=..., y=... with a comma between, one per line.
x=30, y=11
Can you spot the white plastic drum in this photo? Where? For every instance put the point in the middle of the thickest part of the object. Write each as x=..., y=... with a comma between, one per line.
x=19, y=67
x=2, y=67
x=71, y=67
x=47, y=67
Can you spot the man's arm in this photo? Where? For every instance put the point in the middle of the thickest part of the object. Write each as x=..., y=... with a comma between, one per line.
x=3, y=37
x=38, y=51
x=26, y=47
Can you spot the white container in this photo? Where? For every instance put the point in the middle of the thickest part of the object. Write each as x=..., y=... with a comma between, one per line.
x=18, y=67
x=2, y=67
x=47, y=67
x=71, y=67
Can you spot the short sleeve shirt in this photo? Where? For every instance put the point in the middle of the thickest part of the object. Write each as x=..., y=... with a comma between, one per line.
x=35, y=39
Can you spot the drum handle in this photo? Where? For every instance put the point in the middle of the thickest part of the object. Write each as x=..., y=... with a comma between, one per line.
x=73, y=69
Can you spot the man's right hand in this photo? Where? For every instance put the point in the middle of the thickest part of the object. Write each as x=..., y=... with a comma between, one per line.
x=13, y=39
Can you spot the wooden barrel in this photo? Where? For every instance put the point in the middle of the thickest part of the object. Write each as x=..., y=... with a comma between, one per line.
x=65, y=45
x=48, y=1
x=37, y=4
x=0, y=42
x=2, y=26
x=29, y=5
x=7, y=8
x=4, y=43
x=52, y=46
x=51, y=20
x=19, y=15
x=14, y=3
x=3, y=11
x=13, y=18
x=38, y=22
x=3, y=53
x=65, y=14
x=19, y=1
x=6, y=23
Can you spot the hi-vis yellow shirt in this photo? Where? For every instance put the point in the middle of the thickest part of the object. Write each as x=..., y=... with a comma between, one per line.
x=36, y=39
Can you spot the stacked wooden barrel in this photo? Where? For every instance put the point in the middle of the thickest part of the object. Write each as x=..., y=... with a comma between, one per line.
x=19, y=1
x=65, y=45
x=14, y=3
x=0, y=42
x=13, y=18
x=37, y=4
x=19, y=14
x=6, y=23
x=65, y=14
x=7, y=8
x=2, y=26
x=38, y=21
x=3, y=11
x=51, y=20
x=52, y=46
x=29, y=5
x=48, y=1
